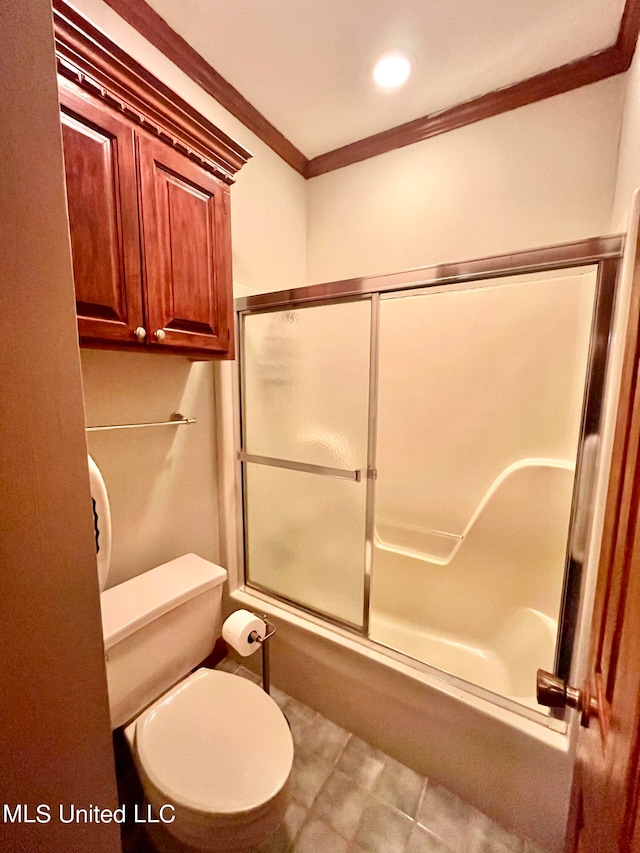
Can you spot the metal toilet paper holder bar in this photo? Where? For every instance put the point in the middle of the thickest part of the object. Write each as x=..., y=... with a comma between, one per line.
x=254, y=637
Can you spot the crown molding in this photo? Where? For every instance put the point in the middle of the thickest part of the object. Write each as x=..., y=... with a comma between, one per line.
x=573, y=75
x=629, y=30
x=89, y=59
x=581, y=72
x=155, y=29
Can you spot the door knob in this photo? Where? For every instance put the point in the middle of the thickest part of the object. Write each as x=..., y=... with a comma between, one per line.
x=140, y=333
x=553, y=692
x=160, y=335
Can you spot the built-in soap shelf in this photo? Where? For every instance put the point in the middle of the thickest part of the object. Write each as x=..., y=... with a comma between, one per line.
x=439, y=547
x=176, y=419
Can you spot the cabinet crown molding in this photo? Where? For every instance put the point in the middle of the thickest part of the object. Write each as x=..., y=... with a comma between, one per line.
x=91, y=60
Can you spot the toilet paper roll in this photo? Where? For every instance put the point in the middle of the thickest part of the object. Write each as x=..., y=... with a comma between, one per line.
x=237, y=629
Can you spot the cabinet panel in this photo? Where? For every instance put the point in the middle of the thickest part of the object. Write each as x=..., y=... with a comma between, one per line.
x=103, y=218
x=186, y=251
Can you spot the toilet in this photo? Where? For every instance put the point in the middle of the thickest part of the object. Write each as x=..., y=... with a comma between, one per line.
x=213, y=751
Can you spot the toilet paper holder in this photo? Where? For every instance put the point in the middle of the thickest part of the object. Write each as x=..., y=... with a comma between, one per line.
x=254, y=637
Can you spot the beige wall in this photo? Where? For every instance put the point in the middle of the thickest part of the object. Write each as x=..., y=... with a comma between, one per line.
x=161, y=481
x=537, y=175
x=56, y=737
x=628, y=177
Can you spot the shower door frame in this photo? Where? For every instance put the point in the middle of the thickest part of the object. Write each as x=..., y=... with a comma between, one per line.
x=603, y=252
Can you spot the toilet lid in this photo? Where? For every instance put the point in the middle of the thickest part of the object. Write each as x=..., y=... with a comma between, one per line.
x=216, y=743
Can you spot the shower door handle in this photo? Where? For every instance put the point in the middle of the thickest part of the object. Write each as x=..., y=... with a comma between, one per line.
x=308, y=468
x=553, y=692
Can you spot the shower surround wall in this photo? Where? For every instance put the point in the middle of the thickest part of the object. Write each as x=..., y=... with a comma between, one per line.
x=480, y=397
x=540, y=174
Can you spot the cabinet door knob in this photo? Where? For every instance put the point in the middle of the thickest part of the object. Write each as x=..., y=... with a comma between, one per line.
x=160, y=335
x=140, y=333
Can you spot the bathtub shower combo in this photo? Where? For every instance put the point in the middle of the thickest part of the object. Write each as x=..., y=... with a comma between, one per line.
x=418, y=454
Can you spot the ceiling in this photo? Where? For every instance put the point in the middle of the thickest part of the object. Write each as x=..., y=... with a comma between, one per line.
x=305, y=64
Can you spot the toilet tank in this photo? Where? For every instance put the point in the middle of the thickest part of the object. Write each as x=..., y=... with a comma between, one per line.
x=157, y=627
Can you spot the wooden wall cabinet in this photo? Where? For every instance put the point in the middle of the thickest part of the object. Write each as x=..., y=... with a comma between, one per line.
x=186, y=247
x=102, y=200
x=148, y=200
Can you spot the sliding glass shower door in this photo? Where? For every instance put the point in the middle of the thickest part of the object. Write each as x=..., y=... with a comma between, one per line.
x=305, y=431
x=412, y=461
x=480, y=400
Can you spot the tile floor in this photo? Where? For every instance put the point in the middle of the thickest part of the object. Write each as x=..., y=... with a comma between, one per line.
x=347, y=797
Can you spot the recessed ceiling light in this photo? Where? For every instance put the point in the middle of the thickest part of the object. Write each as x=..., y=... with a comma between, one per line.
x=393, y=69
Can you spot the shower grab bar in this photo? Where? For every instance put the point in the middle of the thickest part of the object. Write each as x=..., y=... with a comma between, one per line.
x=307, y=468
x=176, y=419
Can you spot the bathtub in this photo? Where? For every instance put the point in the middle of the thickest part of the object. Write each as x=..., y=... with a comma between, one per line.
x=495, y=664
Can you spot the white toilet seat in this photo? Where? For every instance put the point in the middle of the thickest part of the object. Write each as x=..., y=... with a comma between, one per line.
x=216, y=745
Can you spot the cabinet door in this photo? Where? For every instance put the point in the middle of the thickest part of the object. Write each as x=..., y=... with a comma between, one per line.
x=100, y=171
x=186, y=252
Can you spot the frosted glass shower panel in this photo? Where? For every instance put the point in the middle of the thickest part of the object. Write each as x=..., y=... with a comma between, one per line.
x=305, y=402
x=480, y=401
x=305, y=538
x=306, y=381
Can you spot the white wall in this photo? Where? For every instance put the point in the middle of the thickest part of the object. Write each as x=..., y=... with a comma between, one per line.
x=628, y=177
x=537, y=175
x=163, y=482
x=55, y=736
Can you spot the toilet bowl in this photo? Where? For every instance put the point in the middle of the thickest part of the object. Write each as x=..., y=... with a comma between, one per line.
x=213, y=751
x=219, y=751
